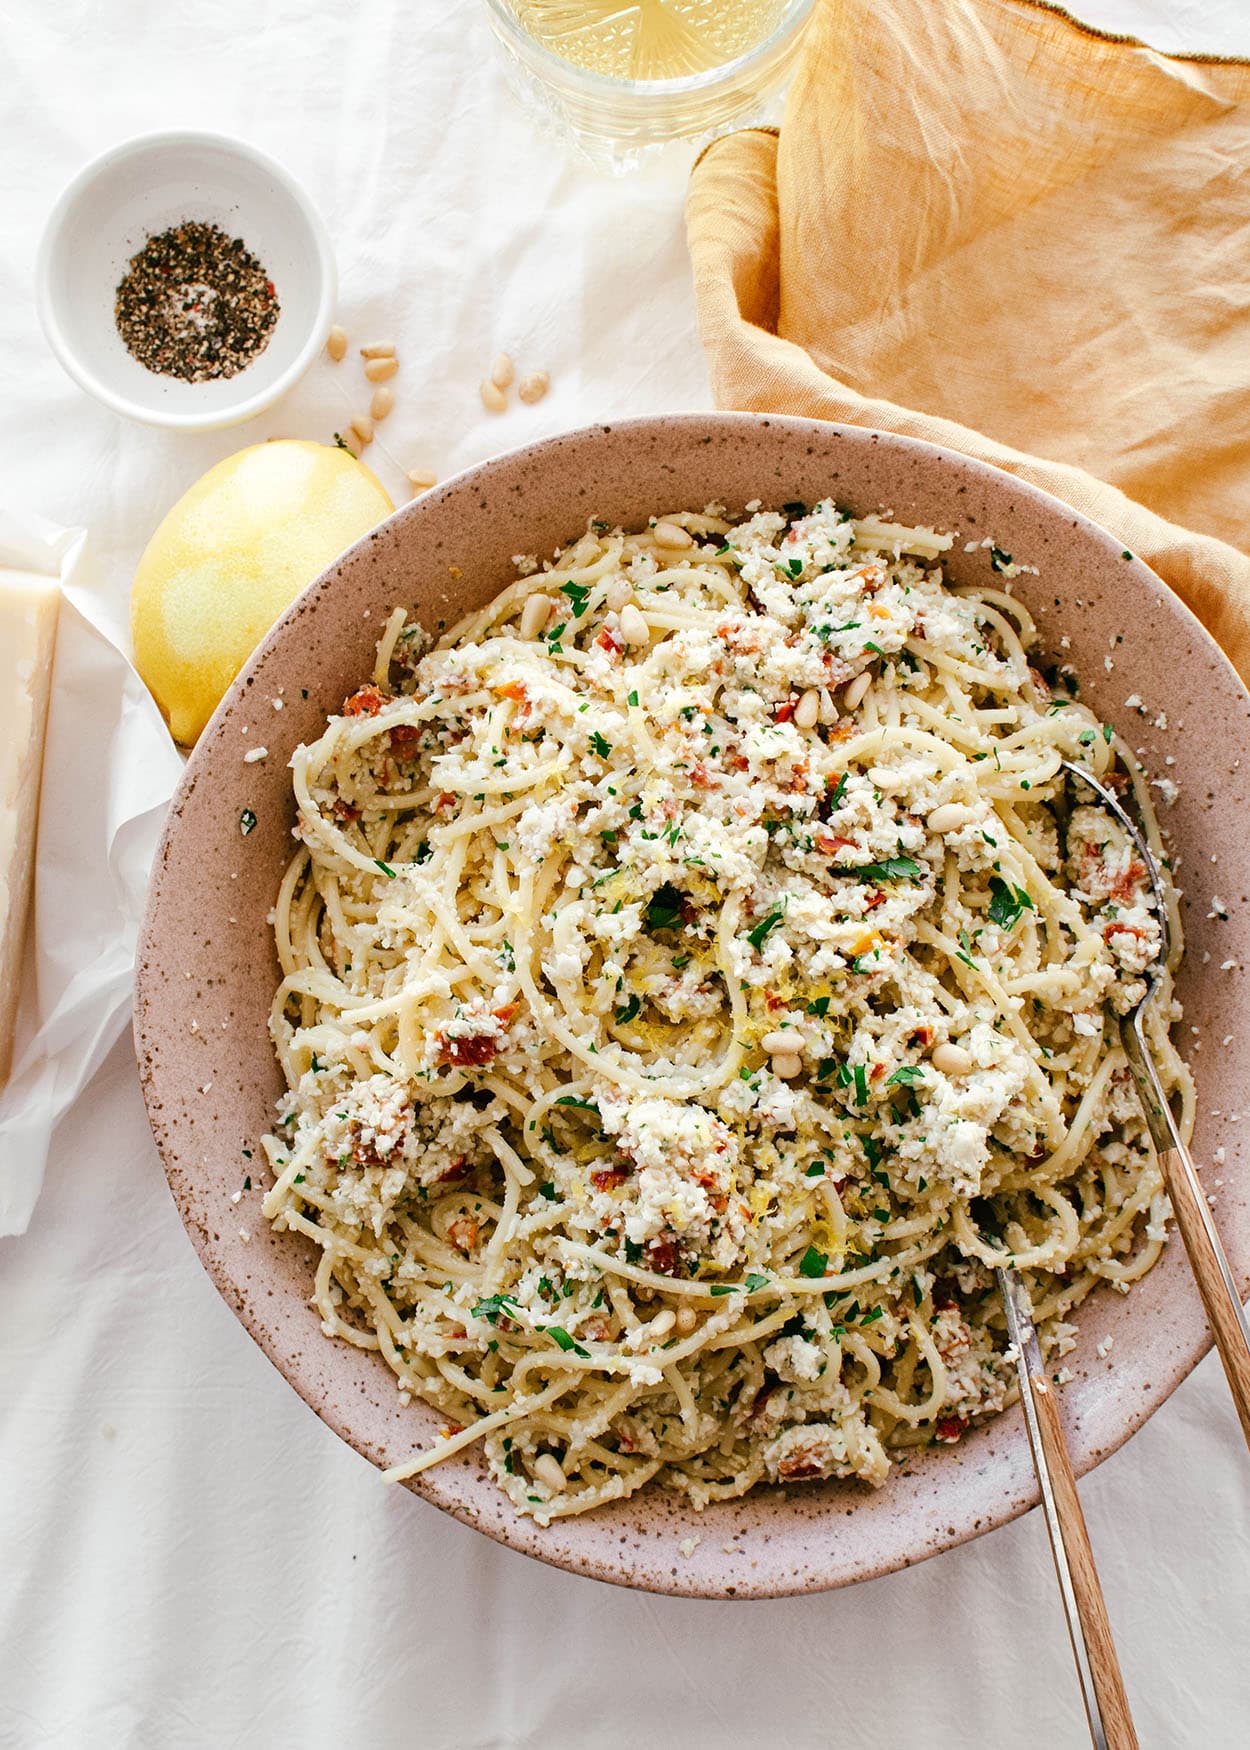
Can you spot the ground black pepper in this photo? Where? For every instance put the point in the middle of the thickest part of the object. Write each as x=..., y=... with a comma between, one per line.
x=195, y=304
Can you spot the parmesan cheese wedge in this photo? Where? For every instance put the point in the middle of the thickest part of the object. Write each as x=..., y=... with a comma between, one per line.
x=28, y=613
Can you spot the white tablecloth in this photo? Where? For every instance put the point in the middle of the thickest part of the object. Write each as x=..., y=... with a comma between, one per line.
x=187, y=1556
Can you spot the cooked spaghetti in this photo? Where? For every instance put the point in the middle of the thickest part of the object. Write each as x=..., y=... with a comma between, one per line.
x=697, y=976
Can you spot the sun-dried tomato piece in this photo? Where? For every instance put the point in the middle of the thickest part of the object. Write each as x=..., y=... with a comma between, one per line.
x=366, y=701
x=406, y=740
x=473, y=1049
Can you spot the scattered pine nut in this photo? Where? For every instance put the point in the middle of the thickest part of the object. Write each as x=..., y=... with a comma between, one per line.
x=421, y=479
x=662, y=1323
x=785, y=1042
x=493, y=398
x=502, y=372
x=952, y=1060
x=548, y=1469
x=634, y=628
x=336, y=342
x=949, y=817
x=787, y=1067
x=534, y=615
x=807, y=711
x=362, y=425
x=672, y=535
x=378, y=370
x=854, y=694
x=687, y=1319
x=383, y=351
x=534, y=387
x=383, y=401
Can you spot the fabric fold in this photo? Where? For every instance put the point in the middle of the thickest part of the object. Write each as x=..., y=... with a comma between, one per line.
x=988, y=227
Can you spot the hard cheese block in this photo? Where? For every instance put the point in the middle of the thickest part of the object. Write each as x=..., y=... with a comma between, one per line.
x=28, y=614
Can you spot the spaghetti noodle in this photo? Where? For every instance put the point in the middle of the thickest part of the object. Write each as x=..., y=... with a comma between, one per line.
x=696, y=977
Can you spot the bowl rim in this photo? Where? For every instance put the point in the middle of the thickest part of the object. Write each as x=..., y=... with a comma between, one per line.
x=80, y=369
x=517, y=1535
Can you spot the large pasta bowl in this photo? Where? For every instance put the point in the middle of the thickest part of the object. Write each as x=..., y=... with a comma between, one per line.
x=207, y=958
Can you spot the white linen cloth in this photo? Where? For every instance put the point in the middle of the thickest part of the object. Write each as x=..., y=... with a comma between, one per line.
x=109, y=769
x=187, y=1556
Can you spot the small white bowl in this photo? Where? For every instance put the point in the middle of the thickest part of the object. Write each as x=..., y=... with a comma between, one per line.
x=140, y=189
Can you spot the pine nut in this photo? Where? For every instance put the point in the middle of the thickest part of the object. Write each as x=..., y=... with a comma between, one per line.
x=493, y=400
x=534, y=615
x=382, y=402
x=549, y=1470
x=785, y=1042
x=828, y=710
x=501, y=372
x=952, y=1060
x=787, y=1067
x=672, y=535
x=362, y=425
x=378, y=370
x=687, y=1319
x=422, y=480
x=534, y=387
x=807, y=711
x=634, y=628
x=384, y=350
x=663, y=1322
x=853, y=697
x=618, y=594
x=949, y=817
x=336, y=342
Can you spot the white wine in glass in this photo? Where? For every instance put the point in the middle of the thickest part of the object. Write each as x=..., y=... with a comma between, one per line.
x=650, y=39
x=620, y=76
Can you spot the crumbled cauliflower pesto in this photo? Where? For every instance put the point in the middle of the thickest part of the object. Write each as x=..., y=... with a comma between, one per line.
x=697, y=977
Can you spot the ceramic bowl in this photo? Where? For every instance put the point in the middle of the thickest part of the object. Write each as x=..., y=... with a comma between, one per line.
x=206, y=957
x=140, y=189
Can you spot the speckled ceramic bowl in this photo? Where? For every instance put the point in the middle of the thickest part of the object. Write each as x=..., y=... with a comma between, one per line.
x=206, y=957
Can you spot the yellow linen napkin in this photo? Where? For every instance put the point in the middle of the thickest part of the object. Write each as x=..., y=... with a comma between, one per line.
x=987, y=226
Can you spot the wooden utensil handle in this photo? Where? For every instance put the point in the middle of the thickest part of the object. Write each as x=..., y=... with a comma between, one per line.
x=1212, y=1274
x=1091, y=1606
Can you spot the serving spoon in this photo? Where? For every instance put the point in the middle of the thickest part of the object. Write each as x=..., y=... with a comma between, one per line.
x=1207, y=1259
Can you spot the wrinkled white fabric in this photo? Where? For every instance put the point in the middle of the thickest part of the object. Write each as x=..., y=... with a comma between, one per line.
x=109, y=769
x=187, y=1556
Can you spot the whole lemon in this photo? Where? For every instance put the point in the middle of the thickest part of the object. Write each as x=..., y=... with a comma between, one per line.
x=231, y=557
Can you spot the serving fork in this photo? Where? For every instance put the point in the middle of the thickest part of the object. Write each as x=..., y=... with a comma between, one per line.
x=1207, y=1259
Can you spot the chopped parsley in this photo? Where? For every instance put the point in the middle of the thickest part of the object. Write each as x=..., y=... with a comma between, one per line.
x=566, y=1342
x=812, y=1263
x=1007, y=903
x=578, y=594
x=665, y=907
x=764, y=928
x=889, y=869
